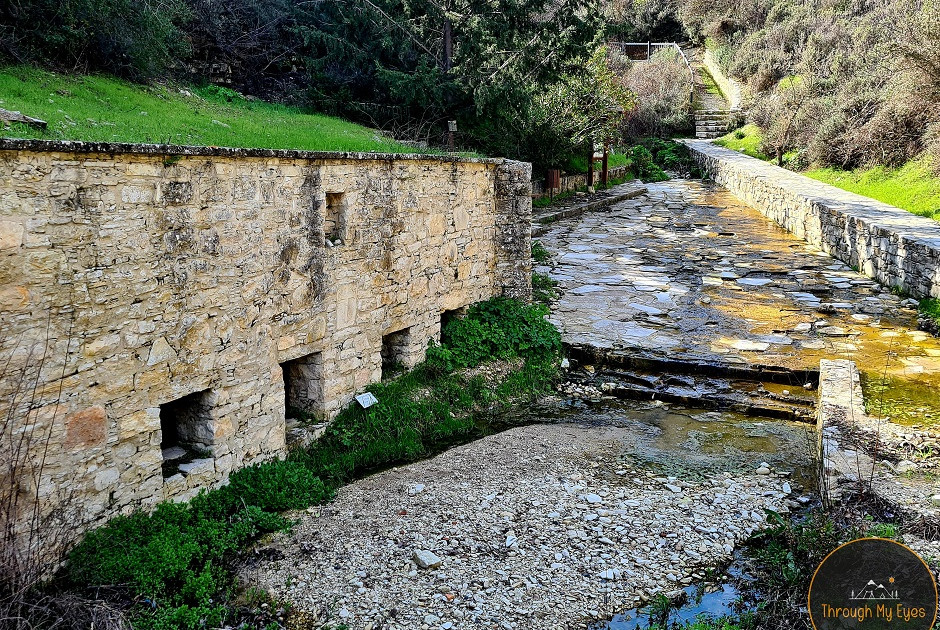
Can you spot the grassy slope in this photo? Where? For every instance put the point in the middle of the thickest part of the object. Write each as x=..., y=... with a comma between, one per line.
x=745, y=140
x=104, y=109
x=913, y=187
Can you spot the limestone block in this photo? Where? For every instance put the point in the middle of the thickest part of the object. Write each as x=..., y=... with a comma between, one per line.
x=105, y=479
x=160, y=351
x=11, y=234
x=198, y=467
x=86, y=428
x=139, y=423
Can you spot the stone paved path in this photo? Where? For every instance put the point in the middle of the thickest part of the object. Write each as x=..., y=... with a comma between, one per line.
x=688, y=271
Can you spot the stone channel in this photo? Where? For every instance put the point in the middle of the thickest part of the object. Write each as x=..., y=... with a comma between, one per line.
x=690, y=274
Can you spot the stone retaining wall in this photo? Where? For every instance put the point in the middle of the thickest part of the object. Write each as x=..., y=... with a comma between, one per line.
x=732, y=89
x=895, y=247
x=166, y=298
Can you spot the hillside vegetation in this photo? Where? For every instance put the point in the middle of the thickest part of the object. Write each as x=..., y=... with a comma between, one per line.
x=525, y=79
x=103, y=109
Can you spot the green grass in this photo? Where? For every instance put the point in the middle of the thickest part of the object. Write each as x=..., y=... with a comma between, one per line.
x=931, y=308
x=745, y=140
x=711, y=87
x=913, y=187
x=104, y=109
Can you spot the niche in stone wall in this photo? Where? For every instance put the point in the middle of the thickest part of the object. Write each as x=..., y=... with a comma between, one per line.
x=449, y=316
x=186, y=430
x=303, y=386
x=395, y=348
x=334, y=218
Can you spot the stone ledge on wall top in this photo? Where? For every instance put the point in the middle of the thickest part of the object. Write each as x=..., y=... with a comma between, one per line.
x=115, y=148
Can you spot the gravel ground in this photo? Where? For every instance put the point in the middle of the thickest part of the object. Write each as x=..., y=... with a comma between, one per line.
x=536, y=527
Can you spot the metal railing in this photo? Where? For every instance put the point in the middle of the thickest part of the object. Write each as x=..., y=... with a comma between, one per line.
x=644, y=51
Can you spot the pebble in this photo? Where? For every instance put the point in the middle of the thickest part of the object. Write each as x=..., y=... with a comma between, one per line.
x=426, y=559
x=583, y=525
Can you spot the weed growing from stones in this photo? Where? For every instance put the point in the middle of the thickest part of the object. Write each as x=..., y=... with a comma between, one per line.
x=544, y=289
x=930, y=316
x=172, y=568
x=539, y=253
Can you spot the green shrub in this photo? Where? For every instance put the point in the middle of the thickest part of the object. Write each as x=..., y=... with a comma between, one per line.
x=644, y=165
x=277, y=486
x=174, y=554
x=497, y=329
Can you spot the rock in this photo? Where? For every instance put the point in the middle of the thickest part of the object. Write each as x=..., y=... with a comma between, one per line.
x=935, y=500
x=426, y=559
x=592, y=498
x=610, y=574
x=787, y=489
x=763, y=470
x=565, y=364
x=746, y=345
x=511, y=540
x=416, y=488
x=673, y=488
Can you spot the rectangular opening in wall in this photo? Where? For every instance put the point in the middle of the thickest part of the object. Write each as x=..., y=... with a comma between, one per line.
x=449, y=316
x=334, y=218
x=303, y=387
x=394, y=352
x=186, y=430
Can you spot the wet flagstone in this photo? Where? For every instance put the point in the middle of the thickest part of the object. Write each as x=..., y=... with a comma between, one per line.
x=688, y=271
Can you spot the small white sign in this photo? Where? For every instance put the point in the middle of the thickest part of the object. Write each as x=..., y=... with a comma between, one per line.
x=366, y=400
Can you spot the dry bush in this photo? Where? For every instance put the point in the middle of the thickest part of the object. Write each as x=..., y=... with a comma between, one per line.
x=849, y=84
x=662, y=86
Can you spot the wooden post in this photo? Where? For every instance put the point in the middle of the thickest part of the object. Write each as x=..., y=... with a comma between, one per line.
x=590, y=173
x=451, y=130
x=649, y=50
x=604, y=167
x=446, y=61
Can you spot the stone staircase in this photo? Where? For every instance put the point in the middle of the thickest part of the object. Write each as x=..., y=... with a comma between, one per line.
x=711, y=123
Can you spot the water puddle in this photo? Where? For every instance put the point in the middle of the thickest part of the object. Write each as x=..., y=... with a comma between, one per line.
x=695, y=603
x=691, y=444
x=907, y=401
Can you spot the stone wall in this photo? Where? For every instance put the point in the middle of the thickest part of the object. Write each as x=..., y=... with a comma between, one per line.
x=732, y=89
x=895, y=247
x=170, y=301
